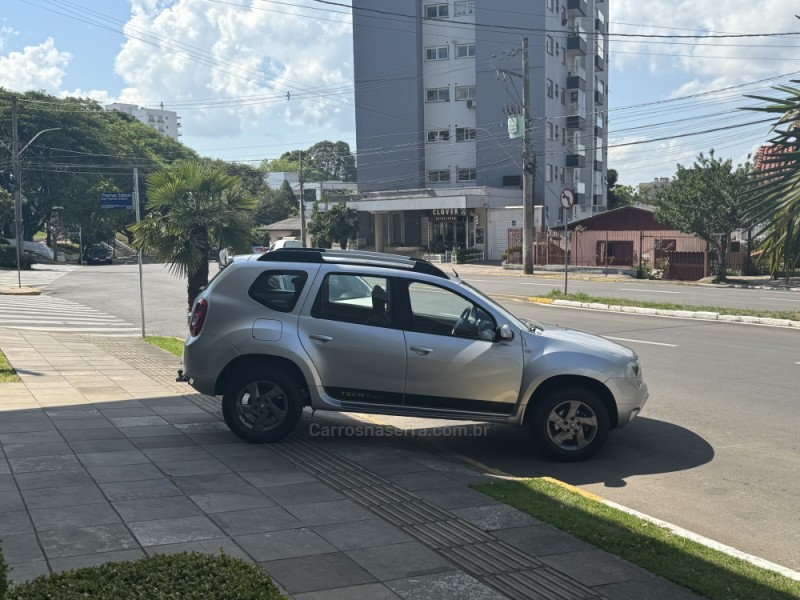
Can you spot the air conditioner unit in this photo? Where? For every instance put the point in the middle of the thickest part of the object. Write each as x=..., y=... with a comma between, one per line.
x=472, y=103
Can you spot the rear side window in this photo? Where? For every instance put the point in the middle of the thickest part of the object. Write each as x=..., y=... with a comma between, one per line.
x=278, y=290
x=361, y=299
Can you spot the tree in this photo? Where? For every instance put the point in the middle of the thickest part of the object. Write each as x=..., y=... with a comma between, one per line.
x=193, y=205
x=620, y=195
x=773, y=208
x=704, y=199
x=276, y=206
x=337, y=224
x=324, y=161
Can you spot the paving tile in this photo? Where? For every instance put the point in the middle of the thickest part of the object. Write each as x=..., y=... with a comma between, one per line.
x=235, y=500
x=125, y=473
x=26, y=571
x=494, y=516
x=91, y=560
x=422, y=480
x=239, y=448
x=113, y=458
x=149, y=509
x=454, y=585
x=149, y=421
x=5, y=469
x=368, y=533
x=61, y=414
x=455, y=497
x=176, y=454
x=312, y=573
x=149, y=431
x=174, y=531
x=102, y=433
x=134, y=490
x=10, y=501
x=7, y=482
x=258, y=462
x=184, y=468
x=73, y=517
x=221, y=437
x=23, y=547
x=193, y=418
x=15, y=522
x=392, y=465
x=411, y=559
x=86, y=540
x=325, y=513
x=275, y=545
x=43, y=479
x=299, y=493
x=276, y=477
x=91, y=423
x=594, y=567
x=163, y=441
x=256, y=520
x=25, y=426
x=370, y=591
x=212, y=546
x=67, y=495
x=128, y=411
x=541, y=540
x=202, y=484
x=651, y=588
x=32, y=464
x=178, y=410
x=211, y=427
x=36, y=449
x=89, y=446
x=32, y=437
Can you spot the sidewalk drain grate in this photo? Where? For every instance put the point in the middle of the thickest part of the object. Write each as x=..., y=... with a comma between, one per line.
x=540, y=584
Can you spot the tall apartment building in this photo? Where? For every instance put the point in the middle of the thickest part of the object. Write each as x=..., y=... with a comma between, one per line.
x=431, y=111
x=164, y=121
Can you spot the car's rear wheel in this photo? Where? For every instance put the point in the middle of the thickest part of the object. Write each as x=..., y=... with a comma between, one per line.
x=570, y=424
x=262, y=405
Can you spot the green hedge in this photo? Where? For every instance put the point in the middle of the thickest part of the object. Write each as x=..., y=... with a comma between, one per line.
x=8, y=258
x=182, y=576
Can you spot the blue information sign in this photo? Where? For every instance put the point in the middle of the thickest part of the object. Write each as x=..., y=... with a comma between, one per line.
x=116, y=200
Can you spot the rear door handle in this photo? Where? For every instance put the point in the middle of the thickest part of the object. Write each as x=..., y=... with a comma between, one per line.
x=422, y=350
x=320, y=337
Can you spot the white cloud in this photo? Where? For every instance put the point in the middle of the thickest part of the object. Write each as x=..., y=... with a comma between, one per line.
x=6, y=32
x=39, y=67
x=202, y=54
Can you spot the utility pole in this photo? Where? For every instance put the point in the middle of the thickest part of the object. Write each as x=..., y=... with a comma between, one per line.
x=528, y=162
x=139, y=251
x=302, y=204
x=17, y=186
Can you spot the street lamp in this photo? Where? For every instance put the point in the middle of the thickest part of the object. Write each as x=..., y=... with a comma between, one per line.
x=15, y=154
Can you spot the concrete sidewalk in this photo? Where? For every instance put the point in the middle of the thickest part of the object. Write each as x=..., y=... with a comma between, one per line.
x=104, y=457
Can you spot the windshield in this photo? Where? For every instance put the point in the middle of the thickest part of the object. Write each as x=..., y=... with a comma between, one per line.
x=528, y=324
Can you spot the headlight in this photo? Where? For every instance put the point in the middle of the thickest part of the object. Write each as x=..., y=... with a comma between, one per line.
x=635, y=369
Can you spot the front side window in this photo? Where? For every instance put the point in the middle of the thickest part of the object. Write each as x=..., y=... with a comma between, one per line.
x=437, y=53
x=352, y=298
x=436, y=11
x=278, y=290
x=465, y=92
x=439, y=311
x=437, y=95
x=465, y=8
x=465, y=50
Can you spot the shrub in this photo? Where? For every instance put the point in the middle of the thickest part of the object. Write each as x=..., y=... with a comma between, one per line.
x=8, y=258
x=182, y=576
x=3, y=575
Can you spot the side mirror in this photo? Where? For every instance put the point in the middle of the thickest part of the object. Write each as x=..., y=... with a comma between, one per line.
x=504, y=333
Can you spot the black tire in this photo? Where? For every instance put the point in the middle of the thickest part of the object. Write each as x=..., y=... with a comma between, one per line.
x=275, y=411
x=570, y=424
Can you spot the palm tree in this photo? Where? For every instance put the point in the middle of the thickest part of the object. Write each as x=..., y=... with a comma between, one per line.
x=193, y=206
x=773, y=210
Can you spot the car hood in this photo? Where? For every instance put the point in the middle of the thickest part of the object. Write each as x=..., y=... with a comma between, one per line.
x=569, y=339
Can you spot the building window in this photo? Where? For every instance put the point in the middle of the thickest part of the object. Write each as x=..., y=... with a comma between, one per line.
x=465, y=50
x=549, y=44
x=465, y=92
x=550, y=4
x=436, y=11
x=438, y=53
x=465, y=134
x=549, y=88
x=549, y=131
x=437, y=95
x=439, y=135
x=440, y=176
x=563, y=135
x=556, y=90
x=465, y=8
x=548, y=173
x=555, y=131
x=467, y=174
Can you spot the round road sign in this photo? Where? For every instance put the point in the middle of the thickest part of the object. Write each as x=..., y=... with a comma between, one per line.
x=567, y=199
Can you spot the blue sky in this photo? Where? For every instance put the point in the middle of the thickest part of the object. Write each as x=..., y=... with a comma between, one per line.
x=225, y=66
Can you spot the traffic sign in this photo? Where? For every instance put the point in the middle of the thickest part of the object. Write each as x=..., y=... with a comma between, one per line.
x=566, y=198
x=116, y=200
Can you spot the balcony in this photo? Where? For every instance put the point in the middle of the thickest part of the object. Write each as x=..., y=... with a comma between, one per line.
x=576, y=80
x=599, y=97
x=576, y=155
x=576, y=42
x=576, y=122
x=577, y=8
x=599, y=63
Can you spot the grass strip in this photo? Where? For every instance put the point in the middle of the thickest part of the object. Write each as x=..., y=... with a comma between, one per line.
x=7, y=373
x=582, y=297
x=170, y=344
x=703, y=570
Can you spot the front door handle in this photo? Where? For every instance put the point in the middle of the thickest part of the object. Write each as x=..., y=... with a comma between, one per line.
x=422, y=350
x=320, y=337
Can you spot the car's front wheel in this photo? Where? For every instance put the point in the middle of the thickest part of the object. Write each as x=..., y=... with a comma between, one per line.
x=570, y=424
x=262, y=405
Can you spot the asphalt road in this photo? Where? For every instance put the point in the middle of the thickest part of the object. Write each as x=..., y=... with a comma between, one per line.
x=715, y=449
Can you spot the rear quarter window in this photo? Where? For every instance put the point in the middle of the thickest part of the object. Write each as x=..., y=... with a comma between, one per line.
x=278, y=290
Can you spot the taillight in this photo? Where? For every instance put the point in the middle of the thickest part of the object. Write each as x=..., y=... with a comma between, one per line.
x=198, y=317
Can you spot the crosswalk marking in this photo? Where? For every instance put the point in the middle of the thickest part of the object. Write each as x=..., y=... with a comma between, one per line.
x=47, y=313
x=39, y=276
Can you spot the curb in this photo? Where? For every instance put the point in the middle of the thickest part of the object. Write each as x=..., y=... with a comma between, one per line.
x=682, y=314
x=19, y=291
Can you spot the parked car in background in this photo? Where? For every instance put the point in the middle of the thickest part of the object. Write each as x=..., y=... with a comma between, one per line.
x=97, y=255
x=226, y=256
x=285, y=243
x=379, y=333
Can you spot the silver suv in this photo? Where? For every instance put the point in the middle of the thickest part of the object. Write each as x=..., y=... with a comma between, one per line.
x=379, y=333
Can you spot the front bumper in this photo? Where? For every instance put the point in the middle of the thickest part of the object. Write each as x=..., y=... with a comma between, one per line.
x=630, y=395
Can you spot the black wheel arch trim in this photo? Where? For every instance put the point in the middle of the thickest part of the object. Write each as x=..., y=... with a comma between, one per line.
x=250, y=361
x=563, y=381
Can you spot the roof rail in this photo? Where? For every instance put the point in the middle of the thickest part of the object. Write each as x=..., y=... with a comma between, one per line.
x=352, y=257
